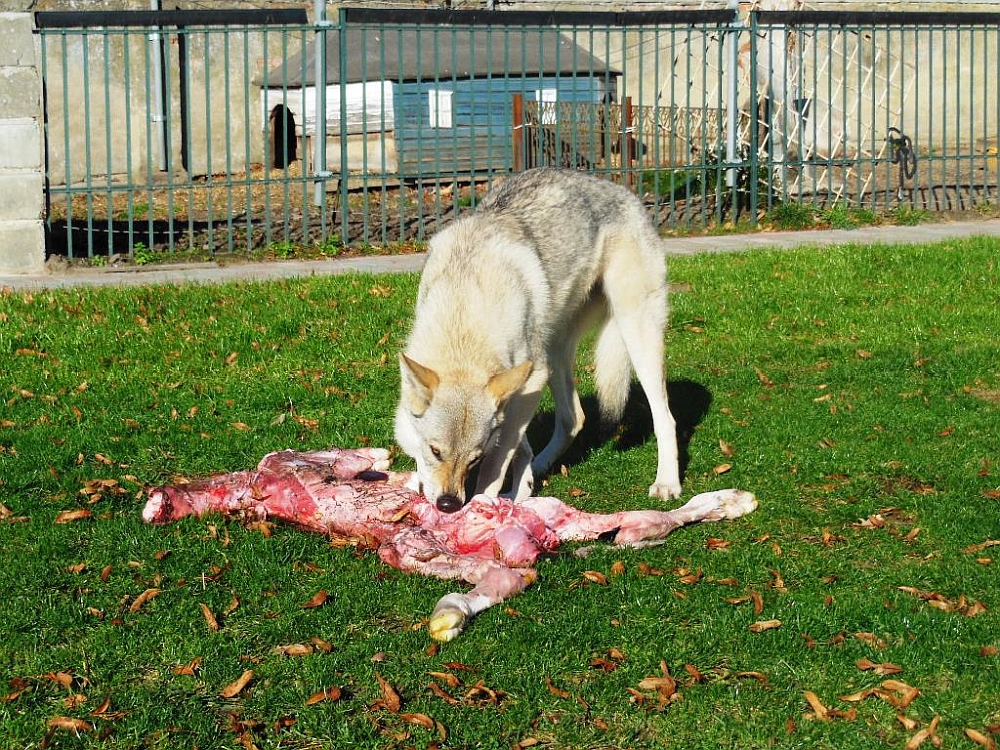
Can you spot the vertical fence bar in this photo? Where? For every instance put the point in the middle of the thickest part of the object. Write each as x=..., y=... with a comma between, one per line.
x=342, y=32
x=732, y=66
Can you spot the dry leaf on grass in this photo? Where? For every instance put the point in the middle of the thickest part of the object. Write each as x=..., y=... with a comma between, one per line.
x=762, y=625
x=318, y=600
x=210, y=619
x=558, y=692
x=981, y=739
x=390, y=700
x=330, y=695
x=68, y=724
x=821, y=711
x=187, y=669
x=927, y=733
x=235, y=688
x=882, y=670
x=447, y=678
x=68, y=516
x=145, y=597
x=294, y=649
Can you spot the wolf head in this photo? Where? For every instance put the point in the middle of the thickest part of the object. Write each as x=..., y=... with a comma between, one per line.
x=448, y=421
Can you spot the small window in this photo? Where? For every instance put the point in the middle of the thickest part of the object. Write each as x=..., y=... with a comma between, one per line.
x=439, y=108
x=547, y=99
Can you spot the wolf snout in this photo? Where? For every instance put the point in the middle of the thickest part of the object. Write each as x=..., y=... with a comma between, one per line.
x=449, y=503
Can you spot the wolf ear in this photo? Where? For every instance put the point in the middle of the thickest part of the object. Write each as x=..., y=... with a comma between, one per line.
x=505, y=384
x=418, y=384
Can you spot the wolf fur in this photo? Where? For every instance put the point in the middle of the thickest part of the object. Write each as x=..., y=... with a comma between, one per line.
x=505, y=295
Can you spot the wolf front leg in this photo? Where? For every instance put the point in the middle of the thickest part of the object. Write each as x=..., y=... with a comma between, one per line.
x=453, y=611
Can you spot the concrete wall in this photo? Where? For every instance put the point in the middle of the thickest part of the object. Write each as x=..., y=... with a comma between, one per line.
x=22, y=237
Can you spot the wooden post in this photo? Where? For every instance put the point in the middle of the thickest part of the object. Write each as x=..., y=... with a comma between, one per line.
x=517, y=133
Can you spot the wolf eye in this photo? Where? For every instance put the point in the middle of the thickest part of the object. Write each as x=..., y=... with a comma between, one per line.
x=436, y=452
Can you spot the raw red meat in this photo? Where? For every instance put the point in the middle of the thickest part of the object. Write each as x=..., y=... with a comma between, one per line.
x=492, y=543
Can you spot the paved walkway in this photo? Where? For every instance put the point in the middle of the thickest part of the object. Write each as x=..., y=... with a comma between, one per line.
x=214, y=273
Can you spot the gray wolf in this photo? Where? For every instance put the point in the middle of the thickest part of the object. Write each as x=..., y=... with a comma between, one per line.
x=504, y=297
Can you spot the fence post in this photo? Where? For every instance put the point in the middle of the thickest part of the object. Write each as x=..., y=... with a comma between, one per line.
x=22, y=235
x=628, y=143
x=517, y=133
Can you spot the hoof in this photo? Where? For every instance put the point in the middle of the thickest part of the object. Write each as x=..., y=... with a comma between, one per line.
x=449, y=617
x=446, y=624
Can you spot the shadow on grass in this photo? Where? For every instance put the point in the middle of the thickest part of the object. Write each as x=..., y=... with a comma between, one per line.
x=689, y=403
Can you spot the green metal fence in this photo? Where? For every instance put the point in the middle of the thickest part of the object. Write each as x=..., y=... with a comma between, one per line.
x=214, y=132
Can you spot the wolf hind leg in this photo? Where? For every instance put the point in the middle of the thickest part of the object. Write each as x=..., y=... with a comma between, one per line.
x=636, y=286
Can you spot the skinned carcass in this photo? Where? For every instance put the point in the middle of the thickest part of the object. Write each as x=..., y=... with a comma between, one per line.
x=493, y=543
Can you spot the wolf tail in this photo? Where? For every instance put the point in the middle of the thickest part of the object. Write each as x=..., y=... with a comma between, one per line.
x=612, y=372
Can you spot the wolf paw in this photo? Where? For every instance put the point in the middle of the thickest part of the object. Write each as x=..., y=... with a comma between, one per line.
x=449, y=618
x=665, y=490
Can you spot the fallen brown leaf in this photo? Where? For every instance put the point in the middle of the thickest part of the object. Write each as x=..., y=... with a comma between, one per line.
x=390, y=700
x=558, y=692
x=420, y=720
x=294, y=649
x=871, y=639
x=68, y=516
x=187, y=669
x=441, y=693
x=883, y=670
x=235, y=688
x=330, y=695
x=909, y=723
x=821, y=711
x=74, y=700
x=981, y=739
x=318, y=600
x=210, y=620
x=65, y=679
x=929, y=732
x=603, y=664
x=906, y=692
x=447, y=678
x=68, y=724
x=140, y=601
x=325, y=646
x=667, y=684
x=762, y=625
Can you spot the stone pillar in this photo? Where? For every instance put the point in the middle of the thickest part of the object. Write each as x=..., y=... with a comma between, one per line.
x=22, y=235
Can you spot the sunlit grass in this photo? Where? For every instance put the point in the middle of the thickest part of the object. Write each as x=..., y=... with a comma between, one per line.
x=855, y=390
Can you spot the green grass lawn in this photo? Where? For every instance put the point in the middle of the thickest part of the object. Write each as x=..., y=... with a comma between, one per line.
x=855, y=390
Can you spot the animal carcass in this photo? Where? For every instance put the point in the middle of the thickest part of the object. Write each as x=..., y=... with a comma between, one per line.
x=493, y=543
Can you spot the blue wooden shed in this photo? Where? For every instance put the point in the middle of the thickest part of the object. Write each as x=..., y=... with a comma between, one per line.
x=427, y=100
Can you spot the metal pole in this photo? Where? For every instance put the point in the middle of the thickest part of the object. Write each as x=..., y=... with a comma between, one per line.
x=159, y=106
x=732, y=92
x=320, y=173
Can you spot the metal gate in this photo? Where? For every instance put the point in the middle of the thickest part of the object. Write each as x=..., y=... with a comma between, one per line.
x=202, y=133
